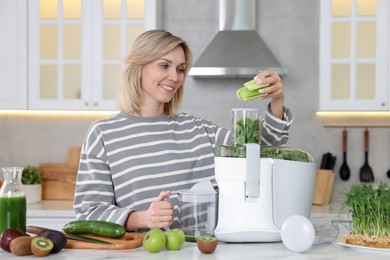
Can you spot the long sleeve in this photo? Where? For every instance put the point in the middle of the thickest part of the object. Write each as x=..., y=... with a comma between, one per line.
x=274, y=131
x=95, y=195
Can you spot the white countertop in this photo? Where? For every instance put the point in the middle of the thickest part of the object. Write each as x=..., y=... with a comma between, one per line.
x=224, y=251
x=51, y=209
x=64, y=208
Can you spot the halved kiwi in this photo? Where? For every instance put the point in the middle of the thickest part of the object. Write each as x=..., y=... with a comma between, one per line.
x=207, y=244
x=41, y=246
x=59, y=239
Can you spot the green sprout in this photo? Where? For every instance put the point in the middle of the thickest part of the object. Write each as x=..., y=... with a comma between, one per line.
x=369, y=206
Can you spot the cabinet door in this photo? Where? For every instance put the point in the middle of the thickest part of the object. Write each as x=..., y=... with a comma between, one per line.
x=77, y=48
x=354, y=55
x=57, y=54
x=13, y=54
x=117, y=24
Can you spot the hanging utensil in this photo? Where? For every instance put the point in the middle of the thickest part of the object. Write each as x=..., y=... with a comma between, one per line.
x=366, y=174
x=344, y=169
x=388, y=174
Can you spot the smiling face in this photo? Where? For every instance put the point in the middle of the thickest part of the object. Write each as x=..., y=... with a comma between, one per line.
x=160, y=79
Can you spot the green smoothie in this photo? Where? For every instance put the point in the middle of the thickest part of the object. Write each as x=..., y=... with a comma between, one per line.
x=13, y=213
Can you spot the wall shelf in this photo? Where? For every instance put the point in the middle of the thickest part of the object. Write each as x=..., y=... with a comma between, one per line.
x=357, y=125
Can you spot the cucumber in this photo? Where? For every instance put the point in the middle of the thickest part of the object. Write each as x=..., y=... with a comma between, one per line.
x=96, y=227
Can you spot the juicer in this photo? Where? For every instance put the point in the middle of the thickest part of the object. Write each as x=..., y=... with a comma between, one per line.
x=257, y=194
x=260, y=187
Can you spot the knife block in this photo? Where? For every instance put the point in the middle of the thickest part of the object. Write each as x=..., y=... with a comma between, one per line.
x=323, y=187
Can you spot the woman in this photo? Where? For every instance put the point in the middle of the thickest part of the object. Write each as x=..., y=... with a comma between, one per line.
x=131, y=160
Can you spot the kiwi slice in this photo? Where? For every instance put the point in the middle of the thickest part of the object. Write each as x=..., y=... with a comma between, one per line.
x=41, y=246
x=59, y=240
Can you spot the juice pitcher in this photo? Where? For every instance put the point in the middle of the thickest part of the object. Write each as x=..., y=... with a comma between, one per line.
x=12, y=200
x=197, y=207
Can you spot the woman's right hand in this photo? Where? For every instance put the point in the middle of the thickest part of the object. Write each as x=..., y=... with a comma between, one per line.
x=158, y=215
x=160, y=212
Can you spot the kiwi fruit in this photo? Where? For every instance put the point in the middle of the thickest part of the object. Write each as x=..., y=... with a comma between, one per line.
x=41, y=246
x=21, y=246
x=207, y=244
x=59, y=239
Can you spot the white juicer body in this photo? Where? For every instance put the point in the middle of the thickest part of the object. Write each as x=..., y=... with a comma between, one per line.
x=285, y=188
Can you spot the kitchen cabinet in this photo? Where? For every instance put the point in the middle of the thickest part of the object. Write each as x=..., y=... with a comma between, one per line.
x=13, y=54
x=76, y=49
x=354, y=55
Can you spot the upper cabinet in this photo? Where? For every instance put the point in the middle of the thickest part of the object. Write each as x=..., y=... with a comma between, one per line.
x=354, y=55
x=13, y=54
x=76, y=50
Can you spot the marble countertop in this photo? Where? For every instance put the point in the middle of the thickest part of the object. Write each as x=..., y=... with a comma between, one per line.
x=64, y=208
x=224, y=251
x=51, y=209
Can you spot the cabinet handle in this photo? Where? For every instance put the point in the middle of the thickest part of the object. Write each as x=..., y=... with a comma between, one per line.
x=383, y=104
x=86, y=103
x=95, y=104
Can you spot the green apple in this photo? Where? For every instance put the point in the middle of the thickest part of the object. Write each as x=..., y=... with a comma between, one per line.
x=154, y=240
x=175, y=239
x=207, y=244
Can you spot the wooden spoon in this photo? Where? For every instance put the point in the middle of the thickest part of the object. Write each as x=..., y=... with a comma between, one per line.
x=344, y=170
x=366, y=174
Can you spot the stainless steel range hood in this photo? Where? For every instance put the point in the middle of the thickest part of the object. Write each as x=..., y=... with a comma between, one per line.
x=237, y=51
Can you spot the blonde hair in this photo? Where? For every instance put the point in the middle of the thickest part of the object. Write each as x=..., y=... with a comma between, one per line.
x=149, y=46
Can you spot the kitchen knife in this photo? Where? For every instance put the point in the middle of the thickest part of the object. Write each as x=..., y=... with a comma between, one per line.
x=325, y=160
x=86, y=239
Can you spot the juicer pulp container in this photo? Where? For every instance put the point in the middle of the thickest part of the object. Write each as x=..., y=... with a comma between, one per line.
x=257, y=194
x=197, y=210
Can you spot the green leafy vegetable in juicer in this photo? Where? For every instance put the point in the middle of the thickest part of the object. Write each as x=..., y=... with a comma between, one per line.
x=274, y=152
x=283, y=154
x=246, y=131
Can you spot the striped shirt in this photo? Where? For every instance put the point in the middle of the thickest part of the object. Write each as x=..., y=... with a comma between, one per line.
x=126, y=161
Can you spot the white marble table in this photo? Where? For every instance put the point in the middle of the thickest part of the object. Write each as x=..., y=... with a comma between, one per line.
x=63, y=210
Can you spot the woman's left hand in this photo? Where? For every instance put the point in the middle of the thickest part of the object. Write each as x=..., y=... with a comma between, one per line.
x=275, y=91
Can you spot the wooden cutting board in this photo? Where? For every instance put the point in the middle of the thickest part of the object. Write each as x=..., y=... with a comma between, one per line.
x=129, y=241
x=59, y=181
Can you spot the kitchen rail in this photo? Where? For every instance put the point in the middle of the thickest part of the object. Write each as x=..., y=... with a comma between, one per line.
x=357, y=125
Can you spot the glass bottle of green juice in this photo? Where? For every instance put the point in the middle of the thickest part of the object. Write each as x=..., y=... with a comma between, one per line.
x=12, y=200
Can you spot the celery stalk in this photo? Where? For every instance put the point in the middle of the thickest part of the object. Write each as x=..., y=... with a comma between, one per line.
x=252, y=85
x=250, y=90
x=247, y=95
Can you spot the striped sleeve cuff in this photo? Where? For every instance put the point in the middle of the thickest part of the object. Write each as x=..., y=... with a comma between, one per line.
x=275, y=130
